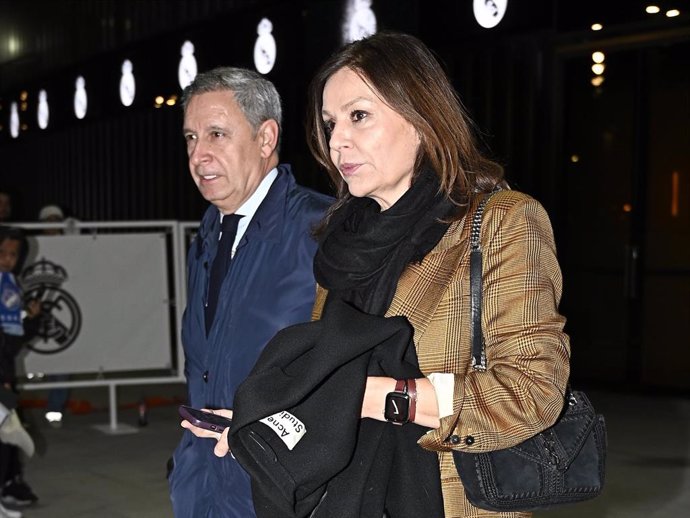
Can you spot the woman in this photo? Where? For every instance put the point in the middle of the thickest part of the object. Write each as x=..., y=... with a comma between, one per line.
x=388, y=127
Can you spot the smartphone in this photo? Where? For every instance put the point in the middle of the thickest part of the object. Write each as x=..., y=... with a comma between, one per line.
x=205, y=420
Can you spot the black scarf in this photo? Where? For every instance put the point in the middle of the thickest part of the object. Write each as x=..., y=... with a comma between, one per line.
x=360, y=259
x=364, y=250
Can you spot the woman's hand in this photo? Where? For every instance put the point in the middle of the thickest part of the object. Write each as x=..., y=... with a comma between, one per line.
x=375, y=396
x=221, y=449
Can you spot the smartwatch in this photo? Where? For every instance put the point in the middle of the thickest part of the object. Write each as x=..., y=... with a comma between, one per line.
x=401, y=404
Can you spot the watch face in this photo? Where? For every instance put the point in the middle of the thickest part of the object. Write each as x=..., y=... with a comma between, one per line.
x=397, y=409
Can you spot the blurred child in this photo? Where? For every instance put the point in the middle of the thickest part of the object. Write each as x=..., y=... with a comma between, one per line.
x=17, y=325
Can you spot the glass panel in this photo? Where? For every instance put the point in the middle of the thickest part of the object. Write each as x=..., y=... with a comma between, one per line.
x=666, y=348
x=598, y=156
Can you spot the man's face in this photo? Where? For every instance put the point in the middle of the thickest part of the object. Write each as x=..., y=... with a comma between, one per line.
x=226, y=159
x=52, y=231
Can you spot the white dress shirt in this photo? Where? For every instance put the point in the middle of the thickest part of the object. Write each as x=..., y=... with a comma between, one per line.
x=249, y=207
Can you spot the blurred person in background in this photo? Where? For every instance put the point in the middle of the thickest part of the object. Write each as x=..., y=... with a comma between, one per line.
x=57, y=397
x=18, y=323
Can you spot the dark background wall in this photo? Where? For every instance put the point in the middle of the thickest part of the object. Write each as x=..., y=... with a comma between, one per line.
x=128, y=163
x=602, y=159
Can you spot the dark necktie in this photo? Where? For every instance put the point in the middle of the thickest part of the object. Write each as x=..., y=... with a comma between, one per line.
x=220, y=264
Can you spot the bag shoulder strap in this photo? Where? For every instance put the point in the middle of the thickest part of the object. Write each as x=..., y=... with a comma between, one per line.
x=476, y=335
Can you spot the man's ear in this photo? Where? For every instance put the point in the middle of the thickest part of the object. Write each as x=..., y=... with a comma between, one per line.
x=268, y=137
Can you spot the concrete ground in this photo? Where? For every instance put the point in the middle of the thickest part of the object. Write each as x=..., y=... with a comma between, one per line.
x=81, y=472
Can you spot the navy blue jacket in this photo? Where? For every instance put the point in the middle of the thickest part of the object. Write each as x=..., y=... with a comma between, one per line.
x=269, y=286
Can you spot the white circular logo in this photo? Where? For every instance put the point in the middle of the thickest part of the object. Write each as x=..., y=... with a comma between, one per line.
x=265, y=47
x=489, y=13
x=186, y=72
x=80, y=99
x=43, y=113
x=360, y=20
x=14, y=120
x=127, y=84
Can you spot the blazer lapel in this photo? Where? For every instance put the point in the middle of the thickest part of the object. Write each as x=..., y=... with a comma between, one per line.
x=421, y=286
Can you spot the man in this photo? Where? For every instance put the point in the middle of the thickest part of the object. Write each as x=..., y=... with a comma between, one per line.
x=232, y=120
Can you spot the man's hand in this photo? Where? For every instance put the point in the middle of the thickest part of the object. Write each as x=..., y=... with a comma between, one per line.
x=222, y=448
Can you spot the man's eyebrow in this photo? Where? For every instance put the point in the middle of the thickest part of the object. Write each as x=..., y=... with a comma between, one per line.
x=212, y=127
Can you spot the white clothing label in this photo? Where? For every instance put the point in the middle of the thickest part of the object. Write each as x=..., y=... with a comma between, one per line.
x=287, y=427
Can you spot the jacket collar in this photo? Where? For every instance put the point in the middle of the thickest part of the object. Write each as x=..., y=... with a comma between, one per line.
x=269, y=219
x=267, y=223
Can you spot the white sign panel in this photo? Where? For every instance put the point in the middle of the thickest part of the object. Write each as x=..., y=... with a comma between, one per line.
x=104, y=300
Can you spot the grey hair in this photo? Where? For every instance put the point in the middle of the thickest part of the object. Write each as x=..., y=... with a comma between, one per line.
x=257, y=97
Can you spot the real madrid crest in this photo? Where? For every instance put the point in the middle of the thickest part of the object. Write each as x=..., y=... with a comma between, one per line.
x=60, y=315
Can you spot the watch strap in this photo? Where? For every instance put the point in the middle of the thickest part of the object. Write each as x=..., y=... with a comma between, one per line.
x=412, y=392
x=401, y=386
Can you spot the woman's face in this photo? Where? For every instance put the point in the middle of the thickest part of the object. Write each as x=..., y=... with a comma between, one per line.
x=372, y=146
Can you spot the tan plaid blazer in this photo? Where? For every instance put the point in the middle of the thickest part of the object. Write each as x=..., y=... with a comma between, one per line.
x=527, y=351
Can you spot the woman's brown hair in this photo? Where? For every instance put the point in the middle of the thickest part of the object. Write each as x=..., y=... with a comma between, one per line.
x=407, y=77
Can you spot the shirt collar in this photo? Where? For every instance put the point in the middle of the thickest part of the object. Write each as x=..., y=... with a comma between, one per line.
x=249, y=207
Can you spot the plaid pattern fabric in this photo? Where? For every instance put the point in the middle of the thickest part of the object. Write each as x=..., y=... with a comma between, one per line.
x=528, y=353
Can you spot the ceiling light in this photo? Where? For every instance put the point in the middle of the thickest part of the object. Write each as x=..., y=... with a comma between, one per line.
x=597, y=80
x=652, y=9
x=598, y=26
x=672, y=13
x=598, y=56
x=598, y=68
x=13, y=45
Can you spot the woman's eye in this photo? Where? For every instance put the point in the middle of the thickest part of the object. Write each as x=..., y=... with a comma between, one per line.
x=358, y=115
x=328, y=127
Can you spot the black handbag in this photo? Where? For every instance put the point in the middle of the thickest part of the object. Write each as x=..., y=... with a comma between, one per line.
x=563, y=464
